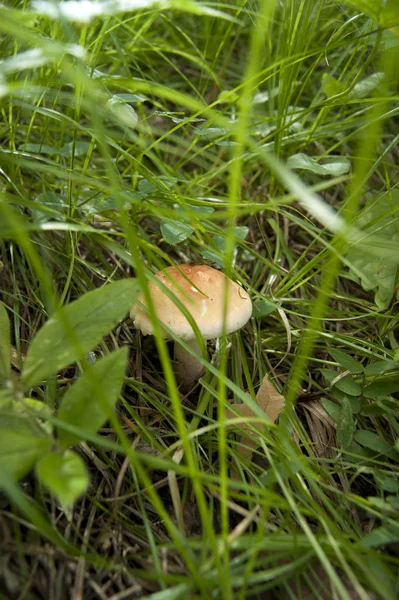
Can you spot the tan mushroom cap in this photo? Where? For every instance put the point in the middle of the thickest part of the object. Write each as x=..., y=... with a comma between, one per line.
x=201, y=289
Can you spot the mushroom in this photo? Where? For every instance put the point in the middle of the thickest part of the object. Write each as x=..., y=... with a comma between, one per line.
x=201, y=289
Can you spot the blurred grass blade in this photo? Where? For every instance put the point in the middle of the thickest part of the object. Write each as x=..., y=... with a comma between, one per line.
x=5, y=345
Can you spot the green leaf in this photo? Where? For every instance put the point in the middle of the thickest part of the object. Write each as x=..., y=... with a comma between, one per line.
x=146, y=186
x=380, y=366
x=346, y=361
x=175, y=232
x=356, y=403
x=64, y=475
x=5, y=345
x=364, y=87
x=331, y=408
x=76, y=329
x=22, y=442
x=388, y=484
x=110, y=203
x=88, y=403
x=373, y=410
x=378, y=219
x=131, y=97
x=212, y=256
x=122, y=112
x=262, y=308
x=201, y=210
x=212, y=132
x=345, y=424
x=375, y=442
x=47, y=200
x=227, y=96
x=328, y=374
x=387, y=534
x=39, y=149
x=240, y=233
x=333, y=166
x=348, y=386
x=382, y=386
x=331, y=86
x=385, y=12
x=78, y=148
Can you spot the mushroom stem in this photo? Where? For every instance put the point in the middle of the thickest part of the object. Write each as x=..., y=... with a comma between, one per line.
x=188, y=369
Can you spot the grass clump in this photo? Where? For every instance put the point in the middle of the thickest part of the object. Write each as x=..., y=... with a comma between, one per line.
x=259, y=138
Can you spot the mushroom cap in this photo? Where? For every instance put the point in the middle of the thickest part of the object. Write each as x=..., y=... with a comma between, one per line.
x=201, y=289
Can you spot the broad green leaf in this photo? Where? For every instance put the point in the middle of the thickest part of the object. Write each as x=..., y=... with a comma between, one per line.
x=88, y=403
x=358, y=455
x=390, y=38
x=201, y=210
x=380, y=366
x=227, y=96
x=47, y=200
x=262, y=97
x=79, y=148
x=387, y=534
x=393, y=500
x=382, y=386
x=388, y=484
x=375, y=442
x=22, y=442
x=212, y=132
x=133, y=98
x=39, y=149
x=122, y=112
x=345, y=360
x=110, y=203
x=379, y=218
x=76, y=329
x=228, y=143
x=332, y=408
x=146, y=186
x=364, y=87
x=64, y=475
x=345, y=424
x=385, y=12
x=240, y=233
x=33, y=407
x=175, y=232
x=5, y=345
x=356, y=403
x=331, y=86
x=332, y=166
x=262, y=308
x=348, y=386
x=212, y=256
x=373, y=410
x=328, y=374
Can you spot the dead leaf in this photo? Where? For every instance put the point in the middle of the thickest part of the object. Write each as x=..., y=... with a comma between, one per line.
x=270, y=401
x=242, y=410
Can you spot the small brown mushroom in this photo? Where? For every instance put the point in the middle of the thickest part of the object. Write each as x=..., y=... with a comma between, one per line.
x=201, y=289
